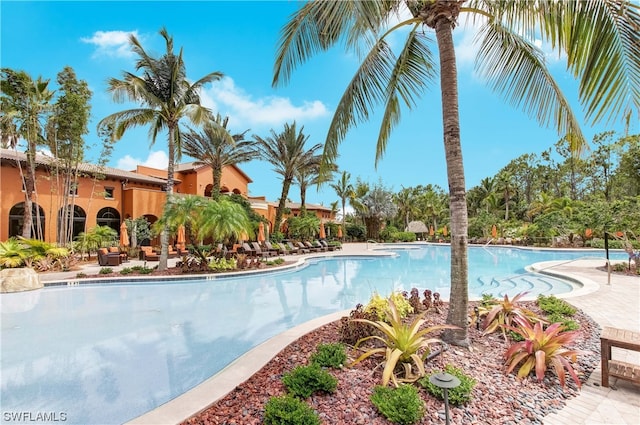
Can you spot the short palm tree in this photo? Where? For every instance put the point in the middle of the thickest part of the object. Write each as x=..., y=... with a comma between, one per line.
x=166, y=97
x=600, y=39
x=286, y=151
x=344, y=190
x=216, y=147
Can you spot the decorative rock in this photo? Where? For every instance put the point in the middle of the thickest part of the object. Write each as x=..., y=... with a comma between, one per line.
x=17, y=280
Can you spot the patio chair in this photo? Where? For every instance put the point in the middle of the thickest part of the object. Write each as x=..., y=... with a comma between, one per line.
x=262, y=253
x=148, y=254
x=106, y=258
x=292, y=249
x=327, y=246
x=303, y=248
x=123, y=254
x=320, y=247
x=270, y=248
x=311, y=248
x=246, y=249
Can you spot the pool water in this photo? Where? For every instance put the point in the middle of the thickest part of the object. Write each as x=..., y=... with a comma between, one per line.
x=107, y=353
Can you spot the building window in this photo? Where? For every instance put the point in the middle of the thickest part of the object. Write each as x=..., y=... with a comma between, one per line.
x=108, y=192
x=73, y=189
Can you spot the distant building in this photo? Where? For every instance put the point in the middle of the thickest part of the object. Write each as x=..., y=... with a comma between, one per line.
x=106, y=196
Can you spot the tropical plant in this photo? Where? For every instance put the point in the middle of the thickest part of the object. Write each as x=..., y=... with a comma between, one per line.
x=94, y=238
x=303, y=381
x=224, y=220
x=217, y=148
x=286, y=151
x=13, y=254
x=308, y=174
x=401, y=405
x=601, y=52
x=166, y=96
x=185, y=211
x=288, y=410
x=541, y=348
x=303, y=227
x=457, y=396
x=551, y=304
x=403, y=344
x=351, y=331
x=379, y=305
x=504, y=312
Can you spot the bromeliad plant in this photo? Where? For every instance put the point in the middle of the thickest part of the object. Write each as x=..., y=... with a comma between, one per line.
x=405, y=344
x=503, y=313
x=541, y=348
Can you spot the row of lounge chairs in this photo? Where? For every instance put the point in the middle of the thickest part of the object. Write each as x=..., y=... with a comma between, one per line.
x=254, y=249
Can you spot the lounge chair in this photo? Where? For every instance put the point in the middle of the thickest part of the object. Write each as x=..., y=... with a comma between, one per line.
x=319, y=246
x=311, y=248
x=270, y=248
x=262, y=253
x=292, y=249
x=106, y=258
x=246, y=249
x=303, y=248
x=327, y=246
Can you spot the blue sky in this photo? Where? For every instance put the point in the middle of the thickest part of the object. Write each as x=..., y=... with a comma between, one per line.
x=239, y=38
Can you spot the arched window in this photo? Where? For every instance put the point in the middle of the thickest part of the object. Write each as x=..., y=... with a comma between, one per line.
x=224, y=190
x=109, y=217
x=208, y=190
x=16, y=220
x=236, y=191
x=77, y=221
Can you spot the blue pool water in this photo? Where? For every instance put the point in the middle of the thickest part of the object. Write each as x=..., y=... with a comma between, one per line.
x=107, y=353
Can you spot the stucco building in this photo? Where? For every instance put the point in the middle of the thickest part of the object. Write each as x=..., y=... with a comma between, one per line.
x=107, y=196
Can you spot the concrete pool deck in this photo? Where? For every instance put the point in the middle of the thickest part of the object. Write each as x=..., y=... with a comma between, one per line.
x=616, y=304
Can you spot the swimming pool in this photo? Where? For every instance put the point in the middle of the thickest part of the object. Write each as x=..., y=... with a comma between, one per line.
x=106, y=353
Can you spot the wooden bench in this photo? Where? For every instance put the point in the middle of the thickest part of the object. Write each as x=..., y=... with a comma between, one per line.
x=621, y=338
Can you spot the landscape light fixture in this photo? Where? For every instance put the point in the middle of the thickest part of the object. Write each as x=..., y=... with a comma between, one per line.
x=445, y=381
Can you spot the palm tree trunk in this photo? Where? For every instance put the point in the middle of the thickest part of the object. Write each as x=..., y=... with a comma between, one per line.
x=459, y=297
x=217, y=182
x=29, y=189
x=286, y=184
x=164, y=235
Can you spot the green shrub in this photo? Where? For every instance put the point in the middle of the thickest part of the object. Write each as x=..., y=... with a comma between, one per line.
x=488, y=300
x=569, y=325
x=106, y=270
x=406, y=236
x=222, y=264
x=126, y=270
x=457, y=396
x=145, y=270
x=619, y=267
x=379, y=305
x=401, y=405
x=329, y=355
x=275, y=261
x=306, y=380
x=288, y=410
x=552, y=305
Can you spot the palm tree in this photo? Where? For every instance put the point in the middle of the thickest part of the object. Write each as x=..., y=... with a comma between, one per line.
x=26, y=103
x=309, y=174
x=185, y=211
x=217, y=148
x=344, y=190
x=166, y=97
x=286, y=152
x=601, y=51
x=406, y=202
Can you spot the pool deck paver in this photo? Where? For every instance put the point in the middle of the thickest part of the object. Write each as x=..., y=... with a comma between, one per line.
x=610, y=302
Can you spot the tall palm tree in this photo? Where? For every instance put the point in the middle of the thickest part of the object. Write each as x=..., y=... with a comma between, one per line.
x=166, y=97
x=286, y=152
x=601, y=49
x=344, y=190
x=26, y=104
x=217, y=148
x=309, y=174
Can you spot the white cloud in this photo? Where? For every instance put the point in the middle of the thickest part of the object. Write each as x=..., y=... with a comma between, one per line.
x=111, y=43
x=233, y=101
x=156, y=159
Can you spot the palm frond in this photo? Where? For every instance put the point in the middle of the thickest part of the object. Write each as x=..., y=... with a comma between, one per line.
x=602, y=43
x=413, y=69
x=515, y=68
